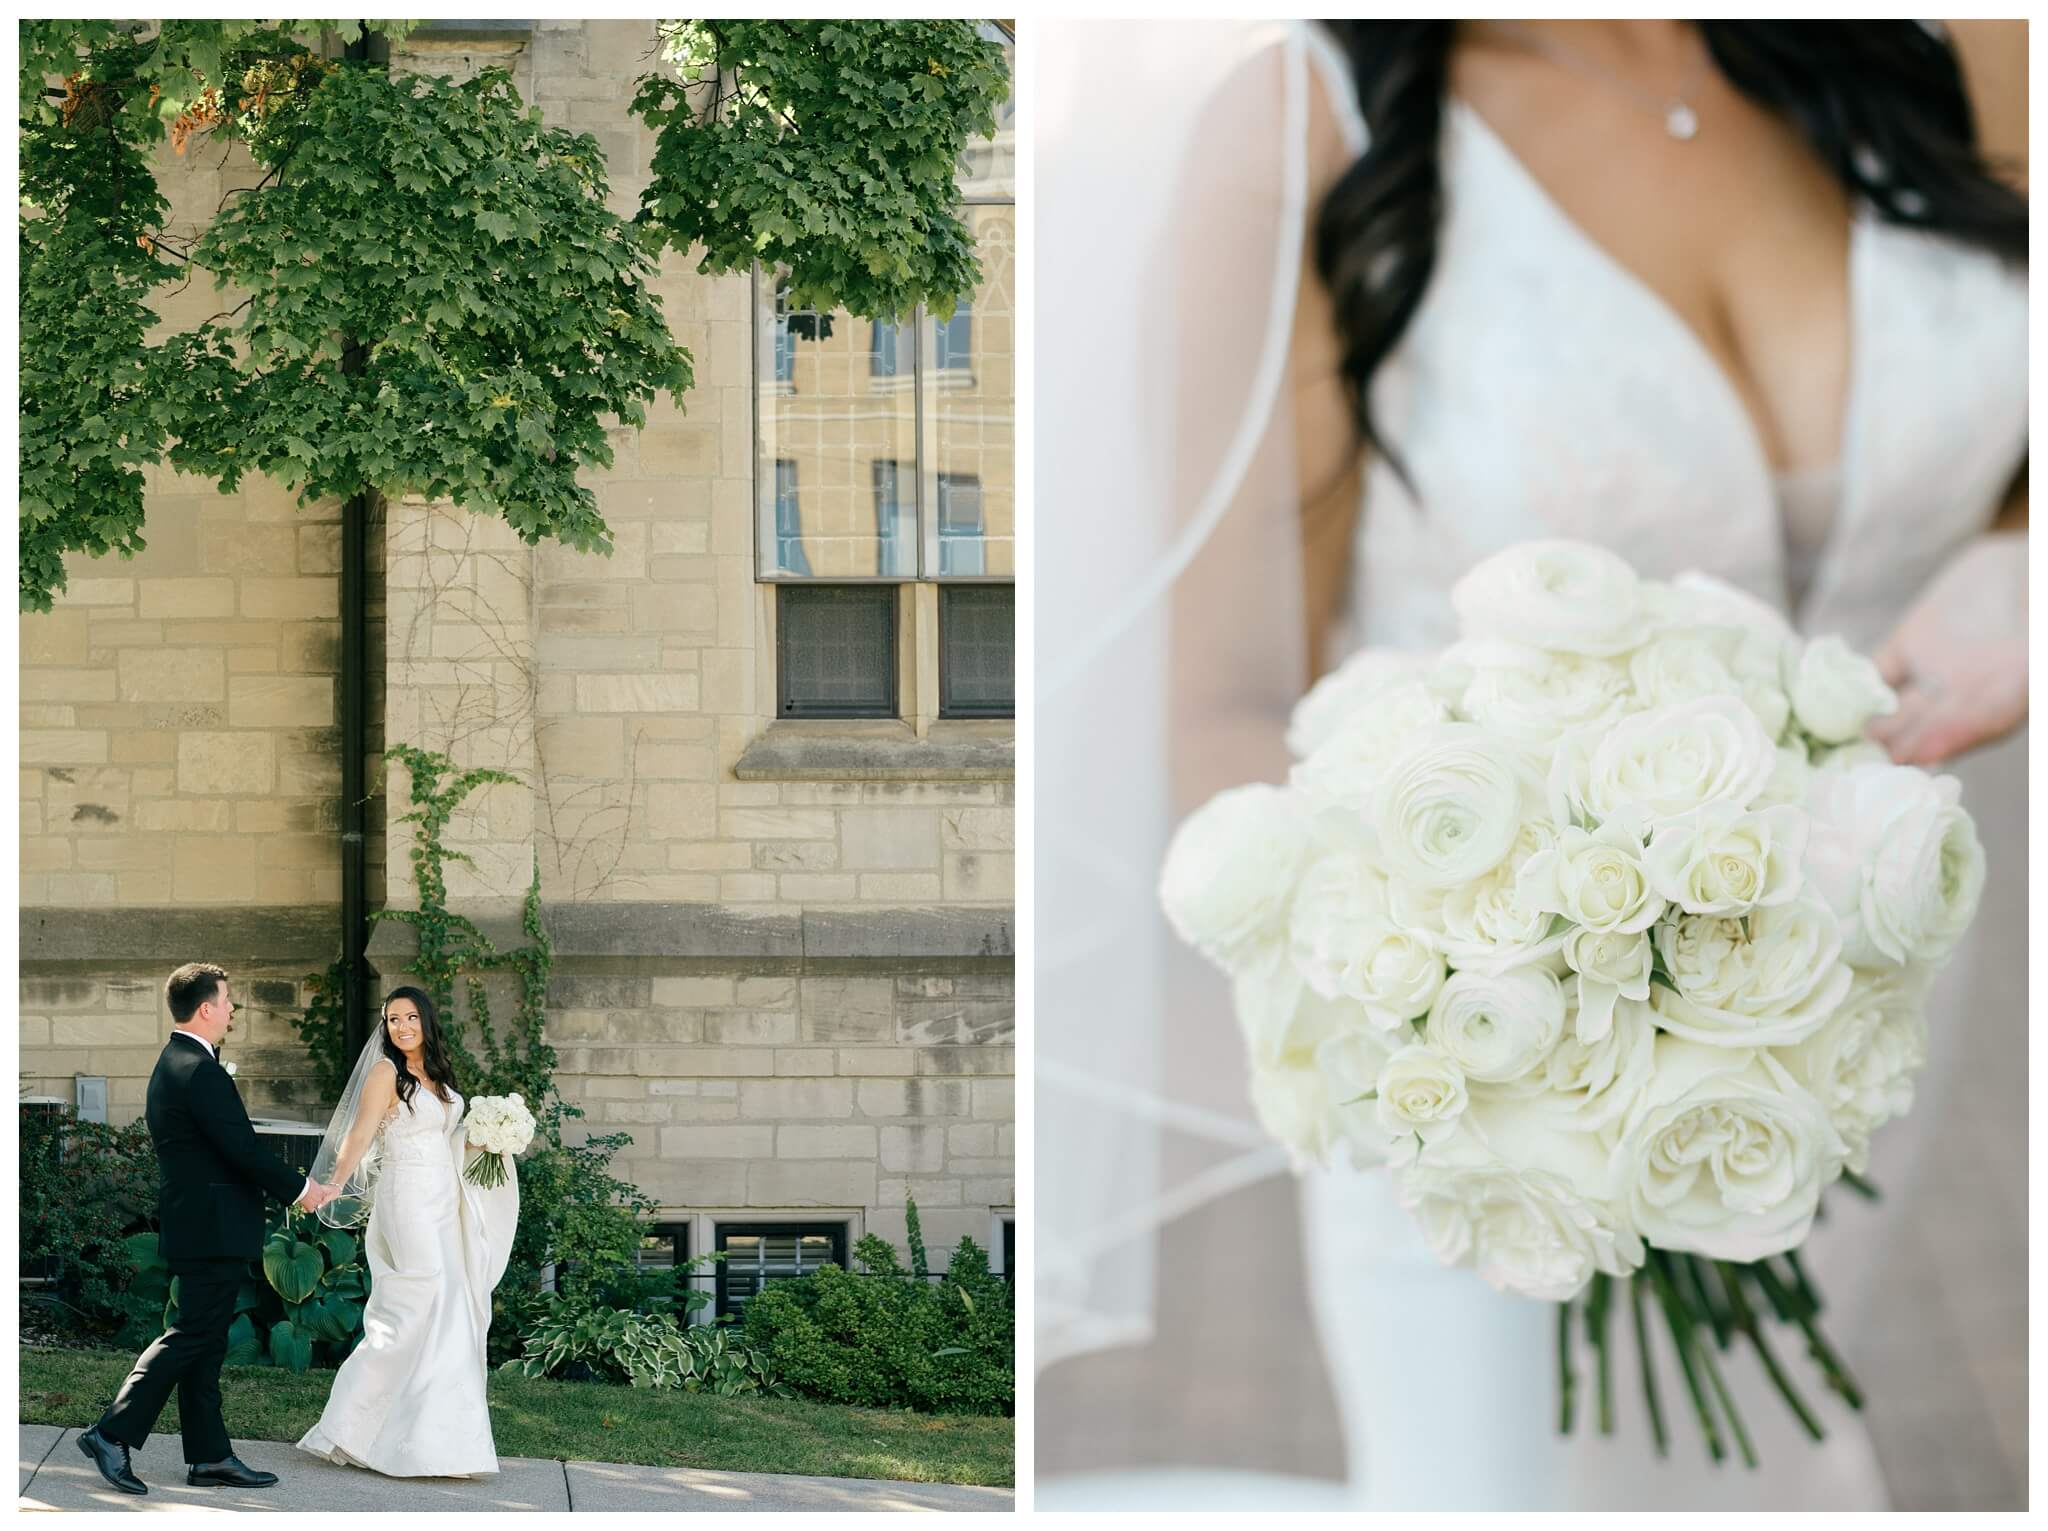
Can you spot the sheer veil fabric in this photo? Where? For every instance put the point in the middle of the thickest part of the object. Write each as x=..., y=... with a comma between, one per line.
x=1174, y=187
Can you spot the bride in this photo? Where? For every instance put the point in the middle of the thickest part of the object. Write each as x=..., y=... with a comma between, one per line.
x=409, y=1400
x=1743, y=298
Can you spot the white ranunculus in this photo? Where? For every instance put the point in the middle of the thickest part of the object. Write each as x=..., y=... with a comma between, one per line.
x=1230, y=873
x=1531, y=696
x=1720, y=860
x=1611, y=965
x=1860, y=1065
x=1835, y=691
x=1525, y=1231
x=1594, y=878
x=1449, y=806
x=1724, y=1155
x=1348, y=694
x=1348, y=762
x=1570, y=597
x=1485, y=925
x=1671, y=760
x=1347, y=945
x=1421, y=1095
x=1766, y=979
x=1706, y=600
x=1897, y=859
x=1597, y=1080
x=1497, y=1027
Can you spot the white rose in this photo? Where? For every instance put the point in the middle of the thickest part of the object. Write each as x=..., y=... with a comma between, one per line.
x=1835, y=691
x=1350, y=1061
x=1790, y=778
x=1347, y=945
x=1855, y=753
x=1230, y=873
x=1682, y=664
x=1532, y=696
x=1611, y=965
x=1449, y=806
x=1486, y=924
x=1594, y=878
x=1346, y=765
x=1674, y=759
x=1721, y=860
x=1860, y=1065
x=1348, y=693
x=1766, y=979
x=1897, y=859
x=1571, y=597
x=1725, y=1154
x=1525, y=1231
x=1597, y=1080
x=1498, y=1027
x=1421, y=1095
x=1284, y=1021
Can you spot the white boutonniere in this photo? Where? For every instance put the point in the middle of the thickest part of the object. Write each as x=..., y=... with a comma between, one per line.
x=230, y=1068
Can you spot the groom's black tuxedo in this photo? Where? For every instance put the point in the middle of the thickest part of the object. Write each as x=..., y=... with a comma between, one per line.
x=215, y=1173
x=210, y=1212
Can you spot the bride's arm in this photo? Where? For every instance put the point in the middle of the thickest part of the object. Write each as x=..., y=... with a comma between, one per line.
x=380, y=1090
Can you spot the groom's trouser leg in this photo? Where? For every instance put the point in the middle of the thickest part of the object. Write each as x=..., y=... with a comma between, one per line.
x=187, y=1357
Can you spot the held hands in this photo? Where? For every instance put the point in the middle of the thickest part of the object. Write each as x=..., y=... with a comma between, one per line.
x=1959, y=659
x=315, y=1196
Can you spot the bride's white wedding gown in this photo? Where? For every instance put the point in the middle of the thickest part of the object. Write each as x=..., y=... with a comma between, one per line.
x=409, y=1401
x=1544, y=390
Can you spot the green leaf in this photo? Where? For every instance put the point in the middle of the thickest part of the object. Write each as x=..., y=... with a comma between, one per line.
x=290, y=1347
x=245, y=1345
x=294, y=1269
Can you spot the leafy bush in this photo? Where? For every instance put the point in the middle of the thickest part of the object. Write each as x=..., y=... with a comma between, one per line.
x=575, y=1214
x=582, y=1340
x=887, y=1339
x=85, y=1188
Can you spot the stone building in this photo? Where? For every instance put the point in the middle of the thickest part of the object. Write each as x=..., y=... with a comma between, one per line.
x=764, y=749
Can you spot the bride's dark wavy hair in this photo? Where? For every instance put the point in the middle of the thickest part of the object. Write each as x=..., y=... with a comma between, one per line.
x=433, y=1047
x=1880, y=102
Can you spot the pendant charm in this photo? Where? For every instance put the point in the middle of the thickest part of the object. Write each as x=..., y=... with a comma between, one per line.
x=1681, y=122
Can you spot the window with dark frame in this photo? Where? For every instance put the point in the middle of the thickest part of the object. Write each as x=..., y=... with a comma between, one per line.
x=888, y=349
x=663, y=1247
x=758, y=1253
x=836, y=651
x=977, y=651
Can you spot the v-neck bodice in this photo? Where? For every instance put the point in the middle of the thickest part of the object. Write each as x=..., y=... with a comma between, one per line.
x=1543, y=389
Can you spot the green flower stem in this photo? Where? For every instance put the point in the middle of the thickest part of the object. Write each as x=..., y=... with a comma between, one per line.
x=1745, y=1320
x=1696, y=1286
x=1682, y=1332
x=1837, y=1373
x=1808, y=1293
x=1713, y=1371
x=1565, y=1379
x=1860, y=1186
x=1596, y=1327
x=1649, y=1367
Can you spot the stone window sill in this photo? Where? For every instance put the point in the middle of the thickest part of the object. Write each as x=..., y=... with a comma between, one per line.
x=883, y=750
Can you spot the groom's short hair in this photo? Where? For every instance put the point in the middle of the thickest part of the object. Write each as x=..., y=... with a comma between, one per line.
x=191, y=986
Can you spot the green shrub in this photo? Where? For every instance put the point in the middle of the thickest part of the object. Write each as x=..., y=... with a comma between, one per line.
x=85, y=1188
x=889, y=1340
x=581, y=1340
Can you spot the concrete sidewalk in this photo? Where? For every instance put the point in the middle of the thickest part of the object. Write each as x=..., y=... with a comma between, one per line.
x=55, y=1475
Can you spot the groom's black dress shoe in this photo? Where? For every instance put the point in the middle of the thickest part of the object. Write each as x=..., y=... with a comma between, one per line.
x=111, y=1458
x=227, y=1473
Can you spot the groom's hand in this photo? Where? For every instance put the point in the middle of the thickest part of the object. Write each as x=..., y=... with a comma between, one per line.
x=315, y=1196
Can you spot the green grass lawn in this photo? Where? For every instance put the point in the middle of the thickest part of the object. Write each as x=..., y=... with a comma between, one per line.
x=588, y=1422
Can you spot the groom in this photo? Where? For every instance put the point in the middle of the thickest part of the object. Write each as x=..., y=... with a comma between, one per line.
x=210, y=1212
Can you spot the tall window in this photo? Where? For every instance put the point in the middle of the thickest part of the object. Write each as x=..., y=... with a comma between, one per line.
x=789, y=518
x=896, y=516
x=953, y=341
x=890, y=350
x=961, y=542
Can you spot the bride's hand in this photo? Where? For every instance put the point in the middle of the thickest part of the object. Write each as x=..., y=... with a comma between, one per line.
x=1959, y=658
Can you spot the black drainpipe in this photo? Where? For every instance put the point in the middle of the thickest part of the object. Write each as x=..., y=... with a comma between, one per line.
x=355, y=722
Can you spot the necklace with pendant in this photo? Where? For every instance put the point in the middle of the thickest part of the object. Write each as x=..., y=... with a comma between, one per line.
x=1681, y=121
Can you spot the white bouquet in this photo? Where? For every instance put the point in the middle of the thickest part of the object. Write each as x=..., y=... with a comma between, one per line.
x=500, y=1127
x=1602, y=930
